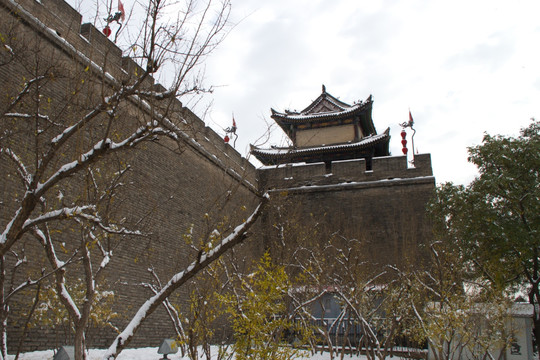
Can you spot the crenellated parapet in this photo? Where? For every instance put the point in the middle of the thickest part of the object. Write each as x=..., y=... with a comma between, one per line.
x=345, y=172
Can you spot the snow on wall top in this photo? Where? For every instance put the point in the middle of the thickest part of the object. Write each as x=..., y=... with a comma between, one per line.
x=61, y=25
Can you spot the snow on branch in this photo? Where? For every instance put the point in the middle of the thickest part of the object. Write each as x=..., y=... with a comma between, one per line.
x=204, y=259
x=139, y=135
x=27, y=116
x=21, y=168
x=67, y=169
x=20, y=223
x=23, y=92
x=30, y=282
x=9, y=49
x=306, y=303
x=61, y=138
x=100, y=148
x=57, y=265
x=157, y=95
x=169, y=308
x=365, y=325
x=64, y=213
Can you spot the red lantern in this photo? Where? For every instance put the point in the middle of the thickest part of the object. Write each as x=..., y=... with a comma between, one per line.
x=226, y=138
x=404, y=142
x=107, y=31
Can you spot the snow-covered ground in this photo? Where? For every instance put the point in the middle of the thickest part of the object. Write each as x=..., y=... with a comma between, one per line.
x=151, y=354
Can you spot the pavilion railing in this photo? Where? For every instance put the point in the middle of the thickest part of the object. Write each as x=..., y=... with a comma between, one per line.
x=348, y=336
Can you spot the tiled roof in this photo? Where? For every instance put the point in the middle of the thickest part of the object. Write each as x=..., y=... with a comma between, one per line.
x=366, y=142
x=325, y=97
x=342, y=110
x=298, y=118
x=327, y=111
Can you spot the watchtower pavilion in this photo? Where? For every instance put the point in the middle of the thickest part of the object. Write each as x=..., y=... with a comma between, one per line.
x=338, y=177
x=325, y=131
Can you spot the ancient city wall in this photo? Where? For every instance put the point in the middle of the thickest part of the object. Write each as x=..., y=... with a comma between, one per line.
x=347, y=171
x=170, y=187
x=384, y=208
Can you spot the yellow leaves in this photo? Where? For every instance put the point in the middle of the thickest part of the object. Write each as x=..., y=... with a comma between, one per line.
x=87, y=68
x=188, y=236
x=116, y=136
x=52, y=313
x=256, y=313
x=201, y=313
x=174, y=345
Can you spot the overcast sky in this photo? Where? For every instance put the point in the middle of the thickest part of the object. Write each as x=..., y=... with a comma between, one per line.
x=462, y=67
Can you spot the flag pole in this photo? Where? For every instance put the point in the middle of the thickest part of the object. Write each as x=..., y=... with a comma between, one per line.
x=410, y=124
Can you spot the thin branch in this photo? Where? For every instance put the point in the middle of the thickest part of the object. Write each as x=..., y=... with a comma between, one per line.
x=23, y=92
x=64, y=213
x=26, y=177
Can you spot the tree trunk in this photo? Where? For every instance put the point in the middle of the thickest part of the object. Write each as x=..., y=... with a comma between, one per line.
x=3, y=335
x=534, y=298
x=3, y=312
x=80, y=342
x=536, y=330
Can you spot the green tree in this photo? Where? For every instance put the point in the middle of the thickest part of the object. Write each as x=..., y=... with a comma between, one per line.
x=495, y=220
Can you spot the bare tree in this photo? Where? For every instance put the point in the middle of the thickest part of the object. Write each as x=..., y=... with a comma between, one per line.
x=70, y=124
x=457, y=314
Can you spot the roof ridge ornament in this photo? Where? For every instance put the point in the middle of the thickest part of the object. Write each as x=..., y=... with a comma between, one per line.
x=231, y=130
x=323, y=89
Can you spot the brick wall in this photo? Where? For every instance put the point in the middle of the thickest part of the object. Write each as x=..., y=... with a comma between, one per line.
x=347, y=171
x=384, y=208
x=171, y=186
